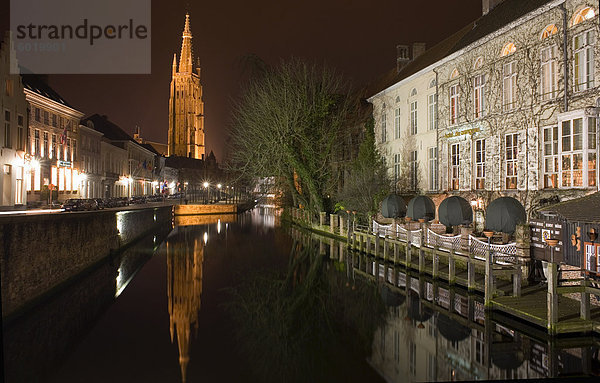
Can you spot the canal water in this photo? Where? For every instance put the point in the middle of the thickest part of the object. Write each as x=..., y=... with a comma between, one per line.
x=248, y=298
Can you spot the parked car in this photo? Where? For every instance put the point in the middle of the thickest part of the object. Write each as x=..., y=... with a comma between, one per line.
x=100, y=202
x=73, y=204
x=90, y=204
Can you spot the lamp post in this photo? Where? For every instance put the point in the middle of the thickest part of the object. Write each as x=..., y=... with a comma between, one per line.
x=489, y=278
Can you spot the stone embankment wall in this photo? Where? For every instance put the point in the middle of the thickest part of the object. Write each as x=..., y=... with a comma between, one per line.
x=205, y=209
x=40, y=252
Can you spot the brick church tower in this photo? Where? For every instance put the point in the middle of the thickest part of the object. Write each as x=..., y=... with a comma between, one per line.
x=186, y=109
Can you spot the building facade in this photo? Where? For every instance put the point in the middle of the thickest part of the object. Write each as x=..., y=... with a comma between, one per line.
x=516, y=98
x=52, y=143
x=186, y=109
x=90, y=163
x=13, y=105
x=115, y=179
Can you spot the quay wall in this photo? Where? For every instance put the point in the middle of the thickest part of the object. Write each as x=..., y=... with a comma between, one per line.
x=205, y=209
x=40, y=252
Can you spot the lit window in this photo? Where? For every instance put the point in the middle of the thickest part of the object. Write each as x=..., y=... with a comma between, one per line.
x=7, y=135
x=479, y=96
x=454, y=74
x=511, y=146
x=397, y=123
x=509, y=94
x=413, y=118
x=508, y=49
x=432, y=111
x=433, y=168
x=549, y=31
x=454, y=166
x=454, y=104
x=582, y=15
x=578, y=147
x=480, y=164
x=549, y=73
x=551, y=157
x=583, y=63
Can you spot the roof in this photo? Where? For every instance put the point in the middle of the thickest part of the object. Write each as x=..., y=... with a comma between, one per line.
x=500, y=16
x=110, y=130
x=584, y=209
x=39, y=85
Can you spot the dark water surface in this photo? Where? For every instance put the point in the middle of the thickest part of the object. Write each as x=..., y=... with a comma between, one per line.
x=232, y=299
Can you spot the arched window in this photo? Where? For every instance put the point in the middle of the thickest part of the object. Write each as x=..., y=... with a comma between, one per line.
x=509, y=48
x=582, y=15
x=397, y=99
x=383, y=106
x=454, y=74
x=549, y=31
x=478, y=63
x=433, y=83
x=413, y=92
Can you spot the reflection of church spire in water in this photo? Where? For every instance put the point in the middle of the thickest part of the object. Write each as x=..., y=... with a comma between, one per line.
x=184, y=288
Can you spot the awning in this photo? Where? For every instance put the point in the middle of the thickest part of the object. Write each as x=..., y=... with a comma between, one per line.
x=503, y=214
x=393, y=206
x=421, y=207
x=454, y=211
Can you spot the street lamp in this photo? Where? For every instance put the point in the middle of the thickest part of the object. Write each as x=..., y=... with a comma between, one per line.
x=205, y=184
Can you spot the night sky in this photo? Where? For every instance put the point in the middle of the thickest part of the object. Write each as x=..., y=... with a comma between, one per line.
x=356, y=37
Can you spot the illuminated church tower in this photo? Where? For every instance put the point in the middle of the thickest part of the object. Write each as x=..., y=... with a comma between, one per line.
x=186, y=109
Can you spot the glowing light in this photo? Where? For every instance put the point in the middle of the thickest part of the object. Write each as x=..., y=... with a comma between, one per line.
x=171, y=185
x=205, y=184
x=219, y=186
x=205, y=237
x=219, y=226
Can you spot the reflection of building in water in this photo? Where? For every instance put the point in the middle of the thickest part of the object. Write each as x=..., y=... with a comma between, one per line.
x=266, y=216
x=185, y=254
x=434, y=333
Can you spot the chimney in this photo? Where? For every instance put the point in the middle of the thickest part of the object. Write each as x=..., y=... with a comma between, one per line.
x=418, y=49
x=402, y=57
x=488, y=5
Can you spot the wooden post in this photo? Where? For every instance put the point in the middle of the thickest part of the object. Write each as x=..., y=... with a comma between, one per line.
x=421, y=260
x=552, y=300
x=332, y=219
x=451, y=268
x=471, y=273
x=436, y=263
x=385, y=248
x=368, y=243
x=408, y=255
x=585, y=302
x=489, y=272
x=342, y=225
x=377, y=244
x=517, y=276
x=396, y=252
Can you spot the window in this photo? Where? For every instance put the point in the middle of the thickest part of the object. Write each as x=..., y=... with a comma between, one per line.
x=68, y=156
x=53, y=149
x=54, y=120
x=412, y=354
x=583, y=63
x=454, y=104
x=396, y=167
x=397, y=123
x=74, y=149
x=432, y=83
x=396, y=346
x=45, y=146
x=454, y=166
x=413, y=118
x=383, y=127
x=413, y=92
x=454, y=74
x=37, y=114
x=478, y=96
x=582, y=15
x=479, y=347
x=413, y=170
x=549, y=31
x=578, y=152
x=20, y=132
x=480, y=164
x=7, y=140
x=551, y=157
x=46, y=117
x=511, y=153
x=509, y=94
x=433, y=168
x=508, y=49
x=432, y=112
x=549, y=86
x=478, y=63
x=19, y=186
x=36, y=142
x=8, y=87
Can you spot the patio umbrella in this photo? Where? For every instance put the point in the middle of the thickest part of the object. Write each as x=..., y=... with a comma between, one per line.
x=421, y=207
x=507, y=355
x=454, y=211
x=503, y=214
x=393, y=206
x=416, y=310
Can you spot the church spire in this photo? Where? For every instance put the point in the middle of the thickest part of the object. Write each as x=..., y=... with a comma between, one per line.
x=174, y=63
x=185, y=58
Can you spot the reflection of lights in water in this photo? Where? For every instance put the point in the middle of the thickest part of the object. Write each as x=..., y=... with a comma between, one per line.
x=121, y=282
x=154, y=239
x=219, y=226
x=120, y=220
x=154, y=217
x=205, y=237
